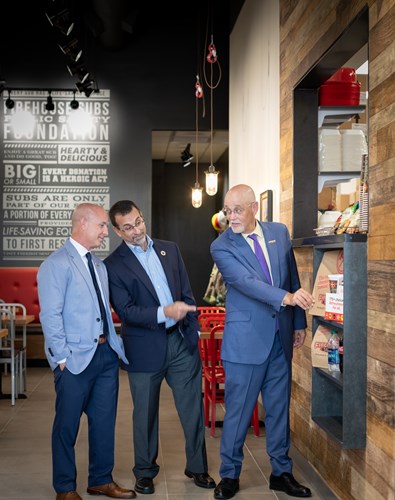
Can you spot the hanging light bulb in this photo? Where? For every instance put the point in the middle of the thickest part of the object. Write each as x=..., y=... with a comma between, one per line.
x=197, y=195
x=211, y=173
x=211, y=180
x=197, y=190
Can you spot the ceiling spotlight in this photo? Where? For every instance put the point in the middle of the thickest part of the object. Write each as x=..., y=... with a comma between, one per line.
x=49, y=106
x=85, y=87
x=74, y=103
x=78, y=70
x=71, y=50
x=61, y=21
x=186, y=156
x=9, y=102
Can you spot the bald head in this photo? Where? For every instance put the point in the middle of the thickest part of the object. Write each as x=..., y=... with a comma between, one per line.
x=241, y=205
x=243, y=193
x=89, y=225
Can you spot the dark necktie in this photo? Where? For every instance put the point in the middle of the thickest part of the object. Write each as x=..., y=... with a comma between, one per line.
x=98, y=292
x=261, y=257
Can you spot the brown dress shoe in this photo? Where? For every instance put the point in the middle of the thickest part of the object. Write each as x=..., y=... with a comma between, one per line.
x=111, y=490
x=68, y=495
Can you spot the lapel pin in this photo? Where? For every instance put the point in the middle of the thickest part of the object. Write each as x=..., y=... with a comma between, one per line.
x=163, y=252
x=272, y=241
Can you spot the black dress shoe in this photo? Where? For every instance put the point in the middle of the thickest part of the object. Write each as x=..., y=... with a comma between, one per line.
x=144, y=485
x=286, y=482
x=227, y=488
x=203, y=479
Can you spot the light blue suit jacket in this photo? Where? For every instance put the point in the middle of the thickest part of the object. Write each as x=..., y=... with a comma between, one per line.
x=69, y=309
x=252, y=304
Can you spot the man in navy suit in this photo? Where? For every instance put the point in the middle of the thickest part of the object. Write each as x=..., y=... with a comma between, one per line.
x=265, y=320
x=151, y=293
x=83, y=351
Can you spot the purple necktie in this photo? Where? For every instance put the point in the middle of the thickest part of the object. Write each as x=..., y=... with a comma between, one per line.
x=261, y=257
x=262, y=261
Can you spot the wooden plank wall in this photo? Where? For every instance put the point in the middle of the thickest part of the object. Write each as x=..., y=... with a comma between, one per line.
x=307, y=29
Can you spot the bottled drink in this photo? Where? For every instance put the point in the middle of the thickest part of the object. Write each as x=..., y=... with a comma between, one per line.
x=333, y=352
x=341, y=353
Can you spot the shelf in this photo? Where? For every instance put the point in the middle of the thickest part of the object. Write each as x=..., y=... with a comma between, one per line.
x=333, y=116
x=329, y=323
x=335, y=377
x=329, y=241
x=331, y=179
x=332, y=425
x=339, y=398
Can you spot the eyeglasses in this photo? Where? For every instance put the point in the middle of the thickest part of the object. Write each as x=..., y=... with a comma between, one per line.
x=237, y=211
x=130, y=227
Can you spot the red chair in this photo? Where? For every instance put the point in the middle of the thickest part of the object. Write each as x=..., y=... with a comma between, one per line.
x=210, y=309
x=214, y=379
x=207, y=321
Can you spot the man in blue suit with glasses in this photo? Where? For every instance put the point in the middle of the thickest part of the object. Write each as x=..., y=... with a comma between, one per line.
x=265, y=320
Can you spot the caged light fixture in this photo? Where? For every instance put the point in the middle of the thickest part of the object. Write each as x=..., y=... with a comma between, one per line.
x=197, y=190
x=211, y=173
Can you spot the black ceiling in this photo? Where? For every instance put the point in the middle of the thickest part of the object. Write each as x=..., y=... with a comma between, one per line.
x=28, y=42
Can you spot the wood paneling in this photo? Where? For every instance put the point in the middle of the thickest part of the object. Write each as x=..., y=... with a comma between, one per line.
x=382, y=33
x=382, y=95
x=308, y=28
x=381, y=294
x=382, y=247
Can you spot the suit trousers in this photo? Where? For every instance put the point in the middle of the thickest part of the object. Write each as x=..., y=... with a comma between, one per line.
x=95, y=392
x=243, y=383
x=183, y=373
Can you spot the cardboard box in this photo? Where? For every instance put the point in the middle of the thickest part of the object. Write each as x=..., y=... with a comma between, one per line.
x=319, y=347
x=327, y=198
x=332, y=263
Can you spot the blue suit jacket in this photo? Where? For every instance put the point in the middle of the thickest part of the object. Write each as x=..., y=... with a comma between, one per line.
x=69, y=309
x=134, y=299
x=252, y=304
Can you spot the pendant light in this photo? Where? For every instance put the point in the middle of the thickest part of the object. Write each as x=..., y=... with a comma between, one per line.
x=211, y=173
x=197, y=190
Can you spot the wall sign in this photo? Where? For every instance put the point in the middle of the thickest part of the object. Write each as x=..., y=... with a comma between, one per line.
x=60, y=161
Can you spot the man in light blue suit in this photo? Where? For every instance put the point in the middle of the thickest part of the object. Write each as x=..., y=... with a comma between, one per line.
x=83, y=351
x=265, y=320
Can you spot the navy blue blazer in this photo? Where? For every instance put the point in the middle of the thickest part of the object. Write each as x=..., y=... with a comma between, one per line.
x=134, y=299
x=252, y=304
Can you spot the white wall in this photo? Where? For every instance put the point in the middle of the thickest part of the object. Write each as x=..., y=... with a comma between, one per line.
x=254, y=110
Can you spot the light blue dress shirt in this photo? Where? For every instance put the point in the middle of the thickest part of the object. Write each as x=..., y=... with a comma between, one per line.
x=153, y=267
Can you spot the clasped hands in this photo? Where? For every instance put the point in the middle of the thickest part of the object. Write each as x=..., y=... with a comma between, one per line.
x=178, y=310
x=300, y=298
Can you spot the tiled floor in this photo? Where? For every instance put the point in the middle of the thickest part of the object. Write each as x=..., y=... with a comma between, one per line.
x=25, y=451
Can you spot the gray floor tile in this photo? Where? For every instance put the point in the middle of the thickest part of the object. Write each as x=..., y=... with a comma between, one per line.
x=25, y=444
